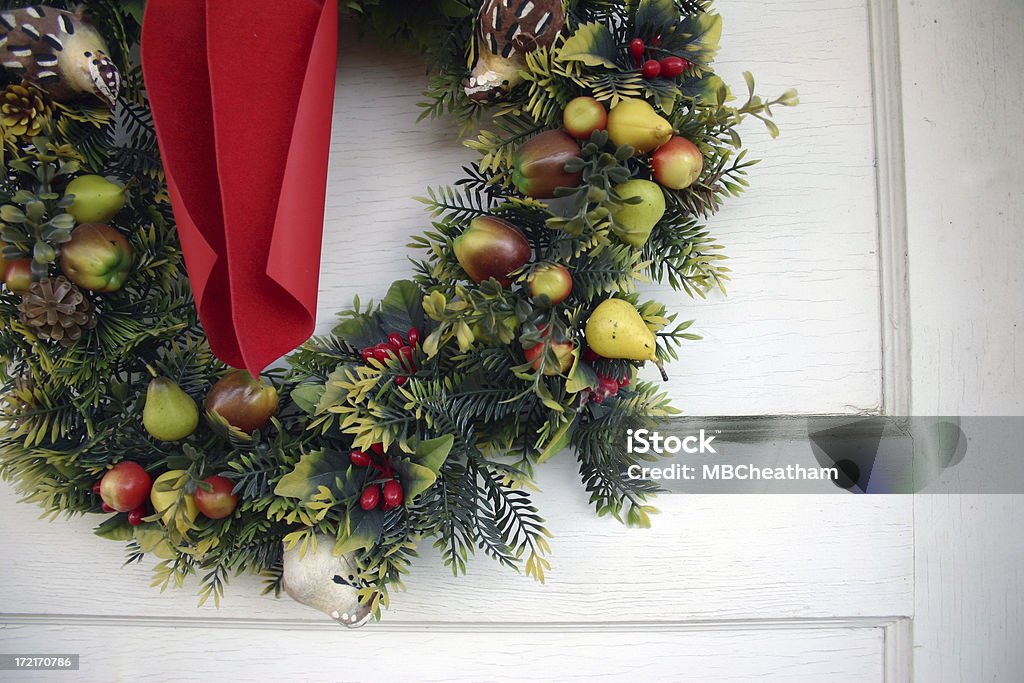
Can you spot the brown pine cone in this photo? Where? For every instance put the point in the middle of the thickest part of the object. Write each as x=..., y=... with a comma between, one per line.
x=57, y=310
x=24, y=110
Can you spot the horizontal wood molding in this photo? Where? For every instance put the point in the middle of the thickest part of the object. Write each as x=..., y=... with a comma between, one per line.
x=391, y=626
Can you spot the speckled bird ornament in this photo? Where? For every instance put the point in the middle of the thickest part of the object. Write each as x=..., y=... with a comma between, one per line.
x=506, y=31
x=59, y=51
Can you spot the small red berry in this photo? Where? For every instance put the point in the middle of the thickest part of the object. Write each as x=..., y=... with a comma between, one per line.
x=671, y=67
x=657, y=41
x=608, y=386
x=596, y=396
x=414, y=337
x=106, y=508
x=636, y=48
x=370, y=498
x=406, y=354
x=359, y=459
x=401, y=380
x=96, y=488
x=393, y=495
x=378, y=448
x=651, y=69
x=624, y=382
x=136, y=515
x=381, y=354
x=395, y=339
x=367, y=353
x=591, y=356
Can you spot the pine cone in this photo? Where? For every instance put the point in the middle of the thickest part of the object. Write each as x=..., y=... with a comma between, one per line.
x=57, y=310
x=24, y=110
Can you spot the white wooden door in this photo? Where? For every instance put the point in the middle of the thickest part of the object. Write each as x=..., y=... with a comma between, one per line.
x=722, y=588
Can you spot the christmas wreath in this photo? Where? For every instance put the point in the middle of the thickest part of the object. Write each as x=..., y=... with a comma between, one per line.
x=605, y=141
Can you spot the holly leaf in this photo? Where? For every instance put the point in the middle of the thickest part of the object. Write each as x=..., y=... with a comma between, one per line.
x=307, y=396
x=592, y=44
x=703, y=32
x=655, y=17
x=415, y=478
x=364, y=532
x=433, y=452
x=115, y=528
x=709, y=89
x=313, y=470
x=401, y=307
x=360, y=331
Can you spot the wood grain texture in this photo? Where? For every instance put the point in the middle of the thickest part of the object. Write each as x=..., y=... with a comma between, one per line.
x=965, y=168
x=706, y=557
x=800, y=330
x=791, y=654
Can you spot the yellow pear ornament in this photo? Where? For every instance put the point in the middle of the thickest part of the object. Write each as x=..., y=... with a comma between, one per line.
x=634, y=122
x=616, y=329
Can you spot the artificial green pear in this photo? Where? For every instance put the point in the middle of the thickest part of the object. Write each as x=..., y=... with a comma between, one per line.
x=170, y=414
x=616, y=329
x=634, y=222
x=97, y=200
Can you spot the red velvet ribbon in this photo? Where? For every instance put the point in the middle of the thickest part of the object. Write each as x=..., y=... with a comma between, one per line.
x=242, y=93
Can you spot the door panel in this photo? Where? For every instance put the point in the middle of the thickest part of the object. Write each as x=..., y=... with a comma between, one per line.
x=784, y=588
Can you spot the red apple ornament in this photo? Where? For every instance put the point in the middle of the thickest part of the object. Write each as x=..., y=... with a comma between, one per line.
x=125, y=486
x=677, y=164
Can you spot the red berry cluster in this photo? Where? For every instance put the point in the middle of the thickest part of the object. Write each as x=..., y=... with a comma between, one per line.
x=668, y=67
x=606, y=384
x=134, y=516
x=388, y=495
x=396, y=347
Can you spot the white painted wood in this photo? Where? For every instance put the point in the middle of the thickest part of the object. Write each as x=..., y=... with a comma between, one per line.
x=965, y=167
x=706, y=557
x=784, y=653
x=800, y=332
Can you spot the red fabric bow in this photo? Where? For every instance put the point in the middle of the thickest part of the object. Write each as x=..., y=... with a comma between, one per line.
x=242, y=93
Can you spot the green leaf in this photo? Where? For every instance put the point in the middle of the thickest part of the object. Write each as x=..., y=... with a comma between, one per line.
x=364, y=533
x=592, y=44
x=560, y=440
x=313, y=470
x=115, y=528
x=654, y=17
x=64, y=221
x=432, y=453
x=334, y=394
x=401, y=308
x=704, y=31
x=415, y=478
x=11, y=214
x=307, y=396
x=153, y=541
x=360, y=331
x=136, y=8
x=705, y=89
